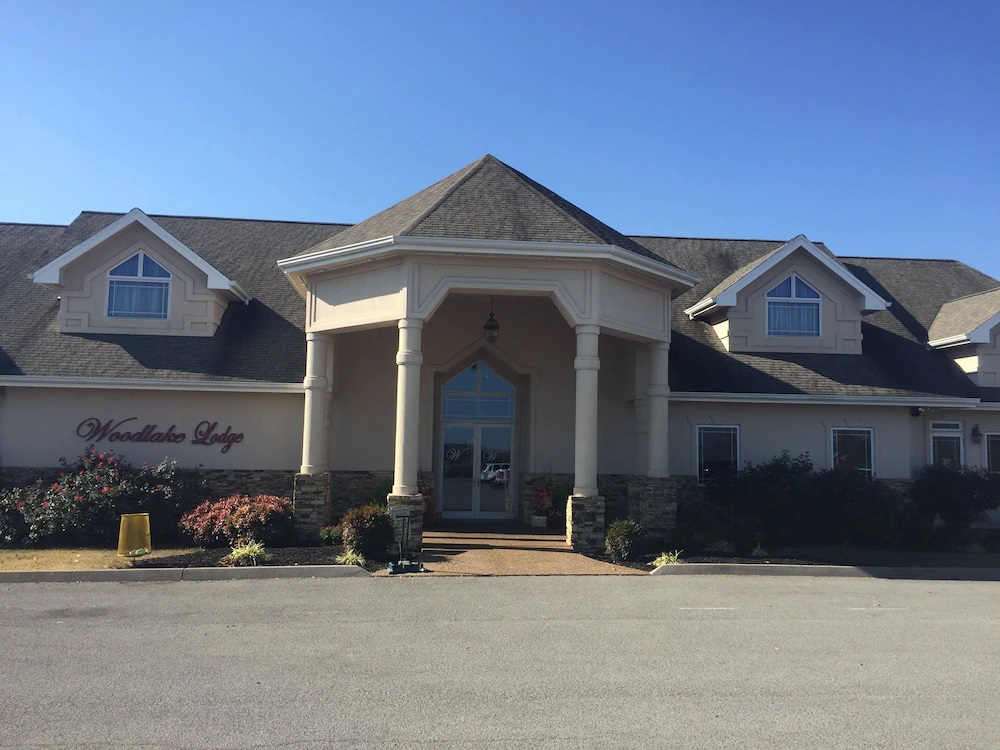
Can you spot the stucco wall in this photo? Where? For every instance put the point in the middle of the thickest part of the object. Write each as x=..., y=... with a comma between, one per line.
x=195, y=310
x=39, y=425
x=768, y=429
x=535, y=341
x=840, y=319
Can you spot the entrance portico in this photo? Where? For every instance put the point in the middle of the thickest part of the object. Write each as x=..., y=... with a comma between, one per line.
x=559, y=304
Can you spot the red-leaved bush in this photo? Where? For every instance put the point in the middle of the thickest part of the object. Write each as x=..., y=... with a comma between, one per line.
x=239, y=519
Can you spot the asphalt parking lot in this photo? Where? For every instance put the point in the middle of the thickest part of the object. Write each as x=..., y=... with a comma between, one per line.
x=567, y=662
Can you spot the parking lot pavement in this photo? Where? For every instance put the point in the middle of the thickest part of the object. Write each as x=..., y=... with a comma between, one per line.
x=554, y=662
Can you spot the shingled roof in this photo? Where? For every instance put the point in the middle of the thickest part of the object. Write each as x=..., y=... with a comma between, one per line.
x=961, y=317
x=487, y=200
x=264, y=341
x=895, y=361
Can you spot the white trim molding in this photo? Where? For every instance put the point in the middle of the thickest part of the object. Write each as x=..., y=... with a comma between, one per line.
x=804, y=398
x=979, y=335
x=48, y=275
x=297, y=267
x=727, y=297
x=144, y=384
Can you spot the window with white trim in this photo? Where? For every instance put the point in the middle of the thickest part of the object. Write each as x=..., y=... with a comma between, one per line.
x=718, y=451
x=993, y=451
x=138, y=288
x=793, y=309
x=947, y=444
x=854, y=449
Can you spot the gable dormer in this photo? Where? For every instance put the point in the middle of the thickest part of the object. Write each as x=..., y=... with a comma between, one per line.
x=134, y=277
x=797, y=298
x=968, y=330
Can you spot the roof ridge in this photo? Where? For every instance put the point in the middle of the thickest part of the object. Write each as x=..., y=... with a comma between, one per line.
x=30, y=224
x=970, y=296
x=531, y=184
x=476, y=166
x=710, y=239
x=892, y=257
x=219, y=218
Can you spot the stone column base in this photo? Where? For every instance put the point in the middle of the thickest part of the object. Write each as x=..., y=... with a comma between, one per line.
x=311, y=504
x=585, y=523
x=411, y=507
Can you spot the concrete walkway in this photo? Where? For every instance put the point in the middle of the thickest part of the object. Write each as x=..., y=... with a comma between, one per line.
x=508, y=551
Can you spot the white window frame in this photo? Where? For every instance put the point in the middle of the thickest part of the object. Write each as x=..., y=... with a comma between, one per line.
x=871, y=444
x=941, y=431
x=986, y=448
x=697, y=447
x=140, y=279
x=797, y=300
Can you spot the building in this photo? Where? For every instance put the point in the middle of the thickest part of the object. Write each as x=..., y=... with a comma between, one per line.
x=344, y=359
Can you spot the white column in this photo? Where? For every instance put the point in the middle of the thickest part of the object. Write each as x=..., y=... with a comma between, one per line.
x=408, y=362
x=315, y=430
x=658, y=399
x=587, y=363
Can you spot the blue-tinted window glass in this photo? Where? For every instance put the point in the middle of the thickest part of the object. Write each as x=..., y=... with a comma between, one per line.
x=128, y=268
x=152, y=269
x=804, y=291
x=784, y=289
x=493, y=383
x=465, y=381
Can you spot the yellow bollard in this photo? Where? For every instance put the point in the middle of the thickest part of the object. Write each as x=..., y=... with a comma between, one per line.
x=133, y=533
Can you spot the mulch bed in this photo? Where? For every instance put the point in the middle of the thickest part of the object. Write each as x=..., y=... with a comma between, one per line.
x=643, y=562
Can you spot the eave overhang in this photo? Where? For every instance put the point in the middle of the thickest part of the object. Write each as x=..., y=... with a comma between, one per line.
x=48, y=275
x=873, y=302
x=298, y=267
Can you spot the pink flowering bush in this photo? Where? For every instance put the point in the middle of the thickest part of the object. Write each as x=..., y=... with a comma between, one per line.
x=85, y=502
x=238, y=519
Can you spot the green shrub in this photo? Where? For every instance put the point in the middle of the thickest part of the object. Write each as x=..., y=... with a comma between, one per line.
x=848, y=508
x=331, y=535
x=945, y=502
x=622, y=540
x=350, y=558
x=238, y=518
x=368, y=531
x=85, y=503
x=246, y=554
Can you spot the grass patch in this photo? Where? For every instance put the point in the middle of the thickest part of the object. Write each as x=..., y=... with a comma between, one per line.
x=76, y=558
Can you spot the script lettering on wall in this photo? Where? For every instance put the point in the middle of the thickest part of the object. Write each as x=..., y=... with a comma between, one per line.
x=128, y=431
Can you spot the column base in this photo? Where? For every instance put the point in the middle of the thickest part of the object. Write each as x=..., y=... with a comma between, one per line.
x=311, y=504
x=409, y=508
x=585, y=527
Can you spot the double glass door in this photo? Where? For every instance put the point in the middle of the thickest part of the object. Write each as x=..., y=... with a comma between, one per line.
x=476, y=471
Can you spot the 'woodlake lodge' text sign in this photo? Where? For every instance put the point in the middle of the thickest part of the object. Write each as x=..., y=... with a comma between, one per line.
x=123, y=431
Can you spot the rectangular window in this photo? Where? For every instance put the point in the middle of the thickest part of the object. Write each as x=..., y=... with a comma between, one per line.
x=137, y=299
x=947, y=444
x=993, y=452
x=718, y=451
x=792, y=318
x=854, y=449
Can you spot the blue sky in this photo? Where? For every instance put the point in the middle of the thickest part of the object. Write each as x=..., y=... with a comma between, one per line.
x=872, y=126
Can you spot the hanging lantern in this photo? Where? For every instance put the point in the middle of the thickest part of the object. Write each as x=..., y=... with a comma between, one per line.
x=491, y=328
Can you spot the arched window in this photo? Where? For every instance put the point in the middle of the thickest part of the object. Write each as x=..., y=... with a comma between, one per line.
x=138, y=288
x=477, y=394
x=793, y=309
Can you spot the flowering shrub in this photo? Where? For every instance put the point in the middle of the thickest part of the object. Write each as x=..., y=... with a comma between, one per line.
x=236, y=519
x=368, y=531
x=85, y=503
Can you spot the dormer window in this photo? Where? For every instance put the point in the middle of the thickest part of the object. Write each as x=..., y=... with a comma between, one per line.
x=138, y=288
x=793, y=309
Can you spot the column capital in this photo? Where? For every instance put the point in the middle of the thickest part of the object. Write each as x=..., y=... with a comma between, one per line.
x=659, y=346
x=410, y=323
x=318, y=336
x=587, y=328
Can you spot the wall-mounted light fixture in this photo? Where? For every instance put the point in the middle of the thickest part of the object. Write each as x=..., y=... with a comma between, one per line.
x=491, y=328
x=977, y=434
x=916, y=411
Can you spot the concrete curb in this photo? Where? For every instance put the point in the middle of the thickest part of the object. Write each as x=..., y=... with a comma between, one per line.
x=183, y=574
x=829, y=571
